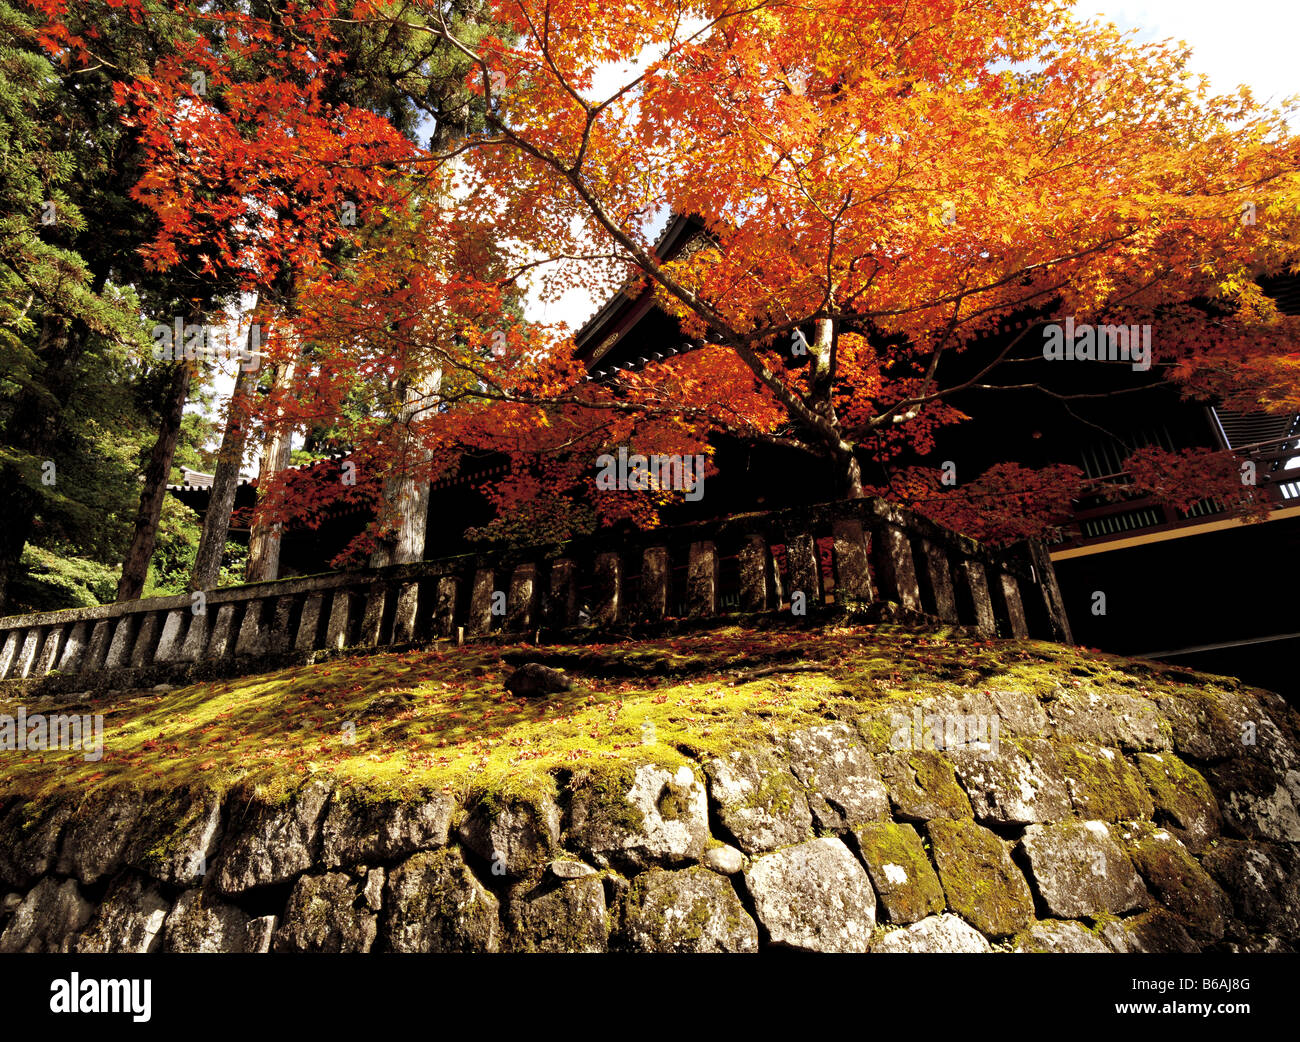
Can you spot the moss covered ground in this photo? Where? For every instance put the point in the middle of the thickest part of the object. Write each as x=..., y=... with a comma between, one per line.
x=438, y=718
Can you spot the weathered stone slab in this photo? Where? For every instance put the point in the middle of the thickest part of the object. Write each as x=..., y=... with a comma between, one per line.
x=98, y=834
x=74, y=649
x=326, y=913
x=172, y=637
x=146, y=640
x=521, y=608
x=9, y=651
x=688, y=911
x=176, y=837
x=1010, y=590
x=753, y=560
x=336, y=632
x=516, y=838
x=280, y=633
x=272, y=843
x=1112, y=718
x=759, y=800
x=1179, y=883
x=195, y=644
x=897, y=567
x=938, y=933
x=1022, y=784
x=48, y=920
x=433, y=903
x=1262, y=881
x=1255, y=799
x=119, y=648
x=973, y=589
x=358, y=831
x=309, y=622
x=372, y=618
x=97, y=651
x=444, y=608
x=844, y=786
x=479, y=620
x=654, y=583
x=852, y=563
x=221, y=644
x=607, y=589
x=981, y=882
x=1103, y=785
x=702, y=580
x=1061, y=936
x=922, y=785
x=563, y=594
x=129, y=920
x=813, y=897
x=935, y=576
x=1182, y=797
x=1080, y=871
x=900, y=871
x=657, y=817
x=200, y=922
x=31, y=834
x=48, y=656
x=558, y=916
x=804, y=574
x=253, y=631
x=1155, y=932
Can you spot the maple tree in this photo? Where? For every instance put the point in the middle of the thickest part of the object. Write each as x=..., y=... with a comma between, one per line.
x=881, y=186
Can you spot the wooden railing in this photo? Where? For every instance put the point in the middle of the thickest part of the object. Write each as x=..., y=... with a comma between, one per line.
x=863, y=556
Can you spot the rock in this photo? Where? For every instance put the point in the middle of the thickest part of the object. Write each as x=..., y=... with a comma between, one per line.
x=1103, y=785
x=1021, y=785
x=326, y=913
x=1111, y=718
x=1181, y=885
x=813, y=897
x=129, y=920
x=200, y=922
x=373, y=890
x=693, y=910
x=1208, y=724
x=938, y=933
x=567, y=916
x=1182, y=798
x=1261, y=880
x=1255, y=799
x=1066, y=937
x=357, y=831
x=48, y=920
x=922, y=785
x=177, y=838
x=533, y=679
x=566, y=869
x=759, y=801
x=31, y=834
x=1080, y=871
x=433, y=903
x=516, y=838
x=844, y=786
x=95, y=841
x=980, y=880
x=724, y=859
x=900, y=871
x=1154, y=932
x=273, y=842
x=653, y=818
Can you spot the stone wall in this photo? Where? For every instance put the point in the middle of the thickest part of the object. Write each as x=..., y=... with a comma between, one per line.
x=1106, y=822
x=864, y=556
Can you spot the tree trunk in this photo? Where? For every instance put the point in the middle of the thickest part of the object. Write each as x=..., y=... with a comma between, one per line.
x=135, y=567
x=406, y=493
x=264, y=539
x=225, y=482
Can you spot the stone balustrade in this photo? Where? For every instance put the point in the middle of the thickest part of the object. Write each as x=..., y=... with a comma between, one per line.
x=867, y=557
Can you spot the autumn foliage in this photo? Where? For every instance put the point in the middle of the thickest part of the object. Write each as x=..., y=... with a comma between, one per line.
x=883, y=183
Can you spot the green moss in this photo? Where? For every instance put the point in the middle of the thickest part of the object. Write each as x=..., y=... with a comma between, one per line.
x=1103, y=787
